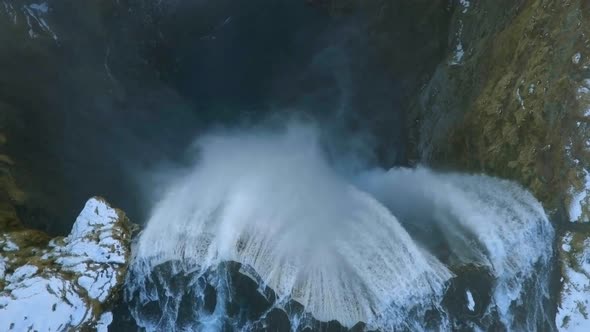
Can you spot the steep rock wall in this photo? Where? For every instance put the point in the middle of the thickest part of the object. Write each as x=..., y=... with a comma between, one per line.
x=511, y=99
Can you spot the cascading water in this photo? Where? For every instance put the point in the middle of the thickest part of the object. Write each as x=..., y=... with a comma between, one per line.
x=379, y=247
x=482, y=221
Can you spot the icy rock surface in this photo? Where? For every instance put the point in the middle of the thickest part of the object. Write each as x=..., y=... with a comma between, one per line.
x=574, y=307
x=30, y=17
x=68, y=284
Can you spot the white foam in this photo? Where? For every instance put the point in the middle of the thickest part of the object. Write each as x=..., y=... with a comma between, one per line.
x=272, y=202
x=484, y=220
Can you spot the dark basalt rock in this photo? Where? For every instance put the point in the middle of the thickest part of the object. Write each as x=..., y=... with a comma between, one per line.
x=479, y=281
x=182, y=300
x=275, y=320
x=246, y=301
x=210, y=299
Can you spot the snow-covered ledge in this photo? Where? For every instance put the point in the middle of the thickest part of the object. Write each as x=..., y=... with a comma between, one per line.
x=70, y=283
x=574, y=307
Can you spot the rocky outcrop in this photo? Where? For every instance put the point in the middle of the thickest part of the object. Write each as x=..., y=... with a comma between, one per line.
x=61, y=283
x=512, y=98
x=574, y=303
x=72, y=280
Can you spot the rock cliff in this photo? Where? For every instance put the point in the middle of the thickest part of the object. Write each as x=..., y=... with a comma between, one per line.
x=61, y=283
x=512, y=98
x=64, y=283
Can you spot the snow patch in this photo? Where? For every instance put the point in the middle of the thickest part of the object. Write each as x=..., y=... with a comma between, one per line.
x=566, y=242
x=42, y=304
x=22, y=273
x=520, y=99
x=459, y=53
x=34, y=14
x=584, y=89
x=465, y=4
x=532, y=88
x=579, y=200
x=7, y=245
x=103, y=323
x=470, y=301
x=576, y=58
x=92, y=257
x=41, y=7
x=572, y=313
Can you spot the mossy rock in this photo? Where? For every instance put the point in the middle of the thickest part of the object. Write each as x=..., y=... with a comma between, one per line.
x=512, y=108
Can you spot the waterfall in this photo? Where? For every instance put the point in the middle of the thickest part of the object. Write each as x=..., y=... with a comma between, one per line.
x=379, y=247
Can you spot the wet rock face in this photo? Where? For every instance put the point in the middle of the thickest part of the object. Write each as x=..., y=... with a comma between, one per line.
x=511, y=98
x=228, y=298
x=64, y=283
x=469, y=295
x=574, y=304
x=224, y=298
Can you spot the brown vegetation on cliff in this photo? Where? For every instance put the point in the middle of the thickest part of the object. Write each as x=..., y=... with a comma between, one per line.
x=511, y=107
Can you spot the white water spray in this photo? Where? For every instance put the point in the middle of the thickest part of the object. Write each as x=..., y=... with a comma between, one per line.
x=483, y=220
x=272, y=202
